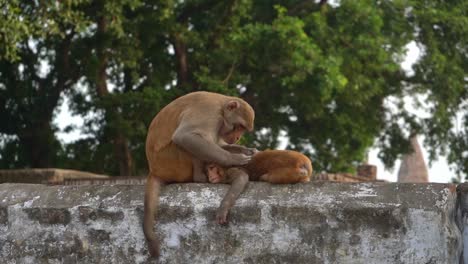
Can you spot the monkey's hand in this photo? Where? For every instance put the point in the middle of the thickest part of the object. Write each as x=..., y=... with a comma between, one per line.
x=251, y=151
x=221, y=217
x=238, y=178
x=234, y=148
x=238, y=159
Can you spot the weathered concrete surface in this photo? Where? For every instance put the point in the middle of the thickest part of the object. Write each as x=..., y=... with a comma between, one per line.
x=45, y=176
x=303, y=223
x=462, y=191
x=341, y=177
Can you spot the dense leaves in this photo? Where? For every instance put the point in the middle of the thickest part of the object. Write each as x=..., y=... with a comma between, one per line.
x=326, y=74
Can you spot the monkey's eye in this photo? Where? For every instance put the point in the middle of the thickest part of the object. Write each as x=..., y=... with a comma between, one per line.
x=239, y=127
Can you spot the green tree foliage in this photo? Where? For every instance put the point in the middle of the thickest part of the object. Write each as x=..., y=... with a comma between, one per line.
x=442, y=32
x=37, y=65
x=326, y=74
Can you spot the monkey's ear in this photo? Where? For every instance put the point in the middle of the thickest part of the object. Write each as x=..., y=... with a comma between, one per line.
x=231, y=105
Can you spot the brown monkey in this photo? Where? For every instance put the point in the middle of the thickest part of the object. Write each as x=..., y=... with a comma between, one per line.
x=192, y=127
x=274, y=166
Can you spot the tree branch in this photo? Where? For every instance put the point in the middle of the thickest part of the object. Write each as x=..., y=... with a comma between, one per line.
x=180, y=50
x=306, y=6
x=231, y=71
x=229, y=8
x=194, y=8
x=101, y=78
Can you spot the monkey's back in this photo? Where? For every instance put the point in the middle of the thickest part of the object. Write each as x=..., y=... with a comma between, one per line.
x=266, y=161
x=165, y=159
x=164, y=124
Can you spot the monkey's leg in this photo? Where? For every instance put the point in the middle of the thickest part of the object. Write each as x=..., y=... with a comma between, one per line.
x=153, y=186
x=283, y=175
x=238, y=179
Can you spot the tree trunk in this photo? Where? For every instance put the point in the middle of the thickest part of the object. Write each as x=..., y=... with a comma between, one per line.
x=37, y=145
x=121, y=150
x=180, y=51
x=124, y=155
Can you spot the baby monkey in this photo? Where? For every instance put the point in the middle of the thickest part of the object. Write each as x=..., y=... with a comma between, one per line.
x=274, y=166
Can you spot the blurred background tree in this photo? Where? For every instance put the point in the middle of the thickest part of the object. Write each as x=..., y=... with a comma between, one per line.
x=325, y=74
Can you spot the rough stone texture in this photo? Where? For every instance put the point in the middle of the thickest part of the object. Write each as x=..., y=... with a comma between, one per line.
x=341, y=177
x=44, y=176
x=121, y=180
x=413, y=167
x=319, y=222
x=462, y=217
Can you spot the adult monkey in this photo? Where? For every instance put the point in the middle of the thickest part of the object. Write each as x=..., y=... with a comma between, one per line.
x=185, y=133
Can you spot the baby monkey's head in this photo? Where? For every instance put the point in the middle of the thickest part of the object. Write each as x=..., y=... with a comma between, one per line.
x=214, y=172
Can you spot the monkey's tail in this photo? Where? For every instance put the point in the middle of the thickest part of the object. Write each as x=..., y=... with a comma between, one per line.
x=153, y=186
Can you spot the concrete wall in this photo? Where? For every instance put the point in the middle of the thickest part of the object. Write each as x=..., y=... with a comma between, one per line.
x=462, y=217
x=48, y=176
x=304, y=223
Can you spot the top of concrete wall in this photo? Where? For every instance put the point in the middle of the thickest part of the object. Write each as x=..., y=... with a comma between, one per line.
x=46, y=176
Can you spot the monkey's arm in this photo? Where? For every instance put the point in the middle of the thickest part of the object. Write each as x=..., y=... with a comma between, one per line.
x=234, y=148
x=198, y=144
x=238, y=179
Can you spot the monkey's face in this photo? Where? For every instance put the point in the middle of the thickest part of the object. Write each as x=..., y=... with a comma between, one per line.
x=215, y=173
x=232, y=136
x=238, y=118
x=235, y=113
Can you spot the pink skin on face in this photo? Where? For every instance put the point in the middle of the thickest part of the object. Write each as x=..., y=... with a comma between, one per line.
x=215, y=173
